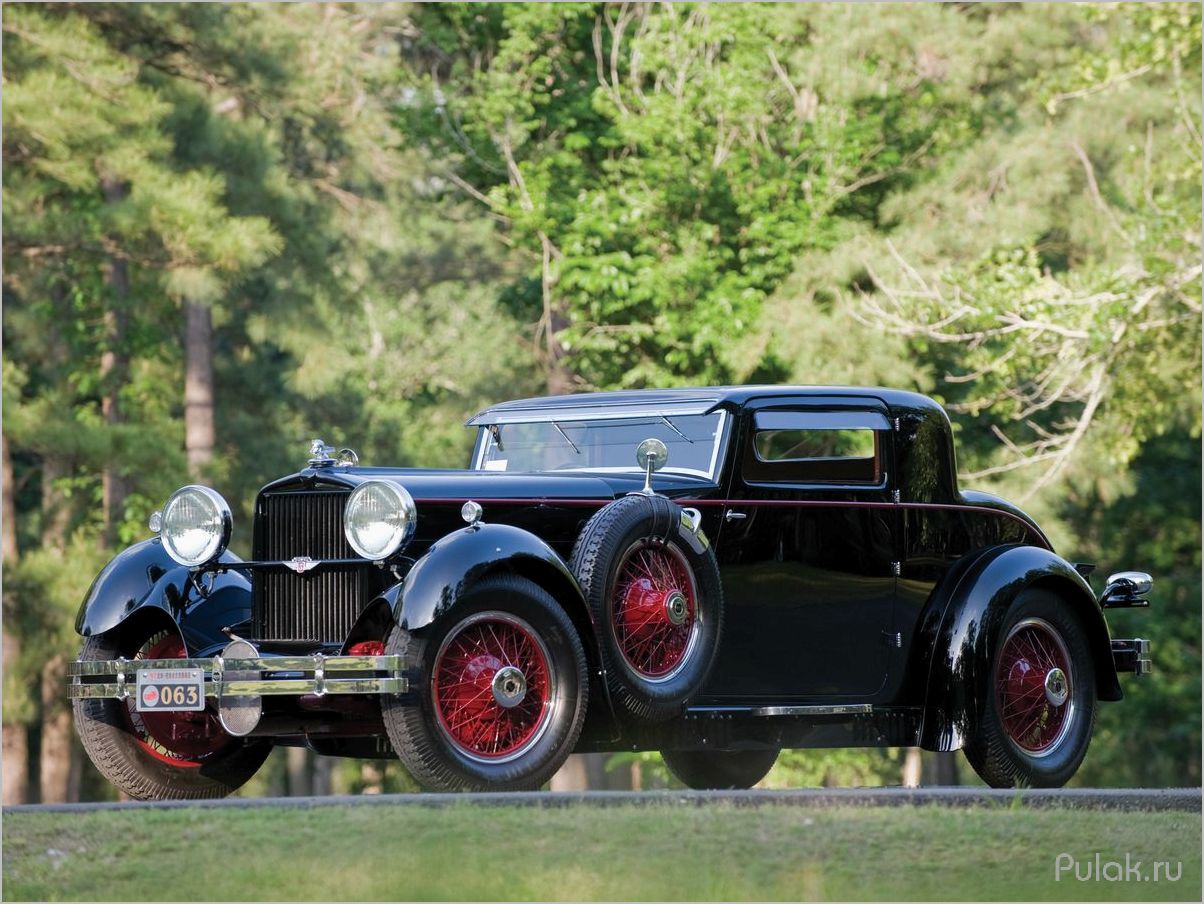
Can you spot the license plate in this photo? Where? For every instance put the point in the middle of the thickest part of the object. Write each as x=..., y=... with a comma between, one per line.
x=170, y=690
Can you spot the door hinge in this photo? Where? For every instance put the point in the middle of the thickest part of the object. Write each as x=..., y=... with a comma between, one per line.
x=896, y=568
x=893, y=639
x=895, y=496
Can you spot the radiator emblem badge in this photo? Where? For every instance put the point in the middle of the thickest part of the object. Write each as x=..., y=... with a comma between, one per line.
x=302, y=564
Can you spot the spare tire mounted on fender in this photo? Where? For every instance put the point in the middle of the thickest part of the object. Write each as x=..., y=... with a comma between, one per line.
x=653, y=586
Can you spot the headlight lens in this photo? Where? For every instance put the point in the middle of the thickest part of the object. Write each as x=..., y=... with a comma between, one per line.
x=379, y=519
x=195, y=526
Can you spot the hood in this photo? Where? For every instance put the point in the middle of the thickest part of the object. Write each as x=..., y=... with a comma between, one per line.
x=432, y=485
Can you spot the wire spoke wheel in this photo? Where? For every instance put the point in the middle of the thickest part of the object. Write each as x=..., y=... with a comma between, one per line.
x=182, y=739
x=1034, y=687
x=493, y=687
x=655, y=610
x=160, y=755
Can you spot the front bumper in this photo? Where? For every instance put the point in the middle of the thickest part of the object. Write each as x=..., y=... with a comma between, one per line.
x=260, y=676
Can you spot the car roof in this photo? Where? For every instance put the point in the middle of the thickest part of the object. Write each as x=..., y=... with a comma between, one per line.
x=690, y=400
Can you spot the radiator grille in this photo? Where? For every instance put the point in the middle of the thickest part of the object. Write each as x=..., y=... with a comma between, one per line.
x=321, y=604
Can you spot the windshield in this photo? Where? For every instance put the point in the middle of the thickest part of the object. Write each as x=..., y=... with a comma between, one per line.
x=605, y=444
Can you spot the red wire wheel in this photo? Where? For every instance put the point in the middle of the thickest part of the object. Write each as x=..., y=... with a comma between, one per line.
x=655, y=610
x=183, y=739
x=1034, y=687
x=492, y=687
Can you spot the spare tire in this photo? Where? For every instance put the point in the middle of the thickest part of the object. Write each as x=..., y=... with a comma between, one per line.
x=651, y=580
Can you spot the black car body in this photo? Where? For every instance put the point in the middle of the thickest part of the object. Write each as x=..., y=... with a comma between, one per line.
x=812, y=575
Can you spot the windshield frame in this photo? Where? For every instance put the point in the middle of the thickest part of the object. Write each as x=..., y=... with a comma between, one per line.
x=723, y=431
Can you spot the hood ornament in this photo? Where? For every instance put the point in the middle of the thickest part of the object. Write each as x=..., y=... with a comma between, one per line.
x=301, y=564
x=323, y=456
x=320, y=454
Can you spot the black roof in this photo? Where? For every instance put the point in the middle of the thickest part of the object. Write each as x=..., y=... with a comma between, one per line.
x=702, y=397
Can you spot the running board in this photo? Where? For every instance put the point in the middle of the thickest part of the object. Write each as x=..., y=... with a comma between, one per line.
x=840, y=709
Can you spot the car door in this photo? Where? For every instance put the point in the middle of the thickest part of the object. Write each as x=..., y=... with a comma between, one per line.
x=807, y=553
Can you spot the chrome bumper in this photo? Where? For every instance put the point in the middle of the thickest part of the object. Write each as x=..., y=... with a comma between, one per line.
x=277, y=675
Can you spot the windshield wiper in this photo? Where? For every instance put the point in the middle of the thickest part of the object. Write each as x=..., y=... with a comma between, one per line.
x=566, y=437
x=675, y=430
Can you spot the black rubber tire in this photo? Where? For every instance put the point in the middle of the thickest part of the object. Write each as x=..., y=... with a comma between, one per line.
x=605, y=537
x=719, y=770
x=999, y=761
x=413, y=726
x=105, y=733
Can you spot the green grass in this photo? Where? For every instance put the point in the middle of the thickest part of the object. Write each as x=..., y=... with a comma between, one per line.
x=661, y=852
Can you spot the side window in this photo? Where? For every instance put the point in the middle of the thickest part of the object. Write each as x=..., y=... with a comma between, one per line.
x=839, y=447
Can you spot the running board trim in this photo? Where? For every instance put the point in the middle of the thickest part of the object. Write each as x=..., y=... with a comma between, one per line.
x=841, y=709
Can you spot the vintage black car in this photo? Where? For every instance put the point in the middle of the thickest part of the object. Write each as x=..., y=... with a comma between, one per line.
x=714, y=573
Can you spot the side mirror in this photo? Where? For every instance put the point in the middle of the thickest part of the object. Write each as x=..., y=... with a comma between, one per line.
x=651, y=455
x=1126, y=589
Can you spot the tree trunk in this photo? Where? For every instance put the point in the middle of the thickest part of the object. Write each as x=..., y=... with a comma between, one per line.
x=944, y=768
x=572, y=776
x=298, y=760
x=199, y=432
x=323, y=775
x=15, y=733
x=114, y=372
x=913, y=768
x=372, y=773
x=57, y=748
x=9, y=513
x=588, y=772
x=559, y=377
x=56, y=507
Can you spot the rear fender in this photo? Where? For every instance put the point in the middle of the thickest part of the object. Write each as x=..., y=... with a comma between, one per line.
x=963, y=639
x=144, y=578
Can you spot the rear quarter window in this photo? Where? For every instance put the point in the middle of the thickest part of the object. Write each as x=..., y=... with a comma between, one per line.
x=837, y=447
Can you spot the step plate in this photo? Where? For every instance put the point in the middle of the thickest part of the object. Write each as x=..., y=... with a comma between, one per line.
x=840, y=709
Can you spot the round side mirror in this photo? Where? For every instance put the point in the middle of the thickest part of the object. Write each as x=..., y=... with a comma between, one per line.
x=651, y=454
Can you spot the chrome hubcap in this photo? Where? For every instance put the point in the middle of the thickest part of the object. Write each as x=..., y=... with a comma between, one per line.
x=509, y=687
x=1056, y=687
x=676, y=608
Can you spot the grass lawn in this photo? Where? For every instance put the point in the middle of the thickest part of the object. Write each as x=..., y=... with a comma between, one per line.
x=656, y=852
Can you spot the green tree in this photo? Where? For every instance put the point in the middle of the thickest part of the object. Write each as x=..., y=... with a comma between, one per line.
x=1048, y=276
x=217, y=248
x=661, y=167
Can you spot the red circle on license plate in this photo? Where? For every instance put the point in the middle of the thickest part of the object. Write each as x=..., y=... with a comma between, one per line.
x=150, y=695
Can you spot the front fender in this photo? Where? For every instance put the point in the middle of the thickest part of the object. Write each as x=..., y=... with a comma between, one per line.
x=145, y=577
x=964, y=640
x=461, y=559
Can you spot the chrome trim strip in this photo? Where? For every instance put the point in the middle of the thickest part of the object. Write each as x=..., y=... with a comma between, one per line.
x=259, y=663
x=840, y=709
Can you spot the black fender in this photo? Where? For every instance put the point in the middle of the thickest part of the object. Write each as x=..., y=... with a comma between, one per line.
x=961, y=625
x=144, y=578
x=453, y=564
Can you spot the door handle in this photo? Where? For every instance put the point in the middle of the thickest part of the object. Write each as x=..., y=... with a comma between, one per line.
x=730, y=515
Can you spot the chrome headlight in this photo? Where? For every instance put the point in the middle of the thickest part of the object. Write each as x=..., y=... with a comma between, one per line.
x=195, y=525
x=379, y=519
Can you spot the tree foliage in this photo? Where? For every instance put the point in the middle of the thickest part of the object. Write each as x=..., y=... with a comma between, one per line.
x=663, y=167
